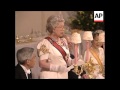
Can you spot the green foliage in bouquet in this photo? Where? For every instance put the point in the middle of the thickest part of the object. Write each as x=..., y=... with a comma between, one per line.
x=85, y=21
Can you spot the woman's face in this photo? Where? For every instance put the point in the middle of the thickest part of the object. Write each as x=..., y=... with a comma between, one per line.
x=101, y=44
x=95, y=42
x=59, y=29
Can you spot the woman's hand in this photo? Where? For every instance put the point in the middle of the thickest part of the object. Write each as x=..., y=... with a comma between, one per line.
x=58, y=68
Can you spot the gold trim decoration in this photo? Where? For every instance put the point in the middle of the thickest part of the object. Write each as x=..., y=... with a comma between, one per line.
x=98, y=60
x=89, y=68
x=76, y=70
x=44, y=49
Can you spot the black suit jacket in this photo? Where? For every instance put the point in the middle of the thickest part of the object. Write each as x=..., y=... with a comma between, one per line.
x=20, y=73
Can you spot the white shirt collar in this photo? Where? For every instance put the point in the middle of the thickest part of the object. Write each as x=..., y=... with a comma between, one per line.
x=27, y=71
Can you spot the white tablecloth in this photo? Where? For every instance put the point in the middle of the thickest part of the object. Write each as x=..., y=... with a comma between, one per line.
x=36, y=69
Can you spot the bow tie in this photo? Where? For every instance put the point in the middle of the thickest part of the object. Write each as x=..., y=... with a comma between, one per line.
x=28, y=71
x=29, y=76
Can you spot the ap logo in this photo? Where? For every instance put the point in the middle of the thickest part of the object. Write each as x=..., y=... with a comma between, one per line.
x=98, y=16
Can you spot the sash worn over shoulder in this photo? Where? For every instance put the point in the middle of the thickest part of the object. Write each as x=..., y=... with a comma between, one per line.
x=60, y=49
x=97, y=58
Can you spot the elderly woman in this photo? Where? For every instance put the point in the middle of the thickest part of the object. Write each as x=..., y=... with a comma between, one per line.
x=53, y=51
x=26, y=61
x=96, y=56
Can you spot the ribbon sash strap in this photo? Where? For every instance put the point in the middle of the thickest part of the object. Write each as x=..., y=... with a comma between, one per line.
x=60, y=49
x=97, y=58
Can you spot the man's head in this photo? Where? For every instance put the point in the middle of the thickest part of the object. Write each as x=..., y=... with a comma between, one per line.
x=26, y=57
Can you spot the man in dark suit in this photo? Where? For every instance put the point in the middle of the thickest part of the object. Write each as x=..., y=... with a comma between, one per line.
x=26, y=61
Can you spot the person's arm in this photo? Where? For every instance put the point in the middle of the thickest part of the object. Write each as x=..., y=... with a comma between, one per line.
x=44, y=61
x=52, y=67
x=44, y=64
x=103, y=57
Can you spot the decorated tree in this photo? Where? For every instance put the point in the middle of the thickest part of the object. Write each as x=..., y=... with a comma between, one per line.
x=84, y=20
